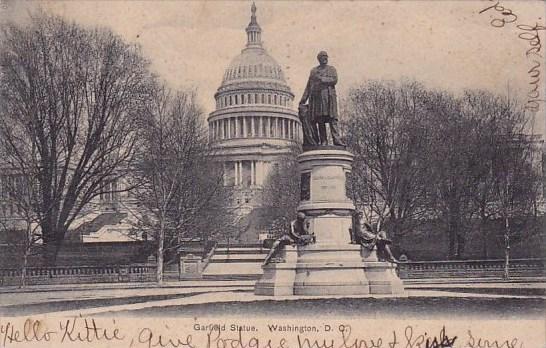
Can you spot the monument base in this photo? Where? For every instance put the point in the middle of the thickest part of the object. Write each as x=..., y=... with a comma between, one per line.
x=316, y=270
x=331, y=266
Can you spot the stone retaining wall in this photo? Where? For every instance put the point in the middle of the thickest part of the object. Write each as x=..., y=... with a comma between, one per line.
x=80, y=274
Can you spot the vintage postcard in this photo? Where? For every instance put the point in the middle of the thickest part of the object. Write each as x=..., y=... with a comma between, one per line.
x=272, y=174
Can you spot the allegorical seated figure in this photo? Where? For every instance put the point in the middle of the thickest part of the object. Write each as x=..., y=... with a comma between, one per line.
x=370, y=238
x=297, y=234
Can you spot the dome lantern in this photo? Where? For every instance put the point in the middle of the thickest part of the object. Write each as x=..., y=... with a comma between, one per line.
x=253, y=30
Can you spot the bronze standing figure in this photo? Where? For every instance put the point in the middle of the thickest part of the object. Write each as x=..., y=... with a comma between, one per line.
x=321, y=93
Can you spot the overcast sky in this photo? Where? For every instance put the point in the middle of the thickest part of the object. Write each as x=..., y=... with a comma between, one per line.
x=444, y=44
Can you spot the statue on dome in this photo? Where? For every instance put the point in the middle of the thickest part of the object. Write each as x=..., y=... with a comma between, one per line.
x=322, y=108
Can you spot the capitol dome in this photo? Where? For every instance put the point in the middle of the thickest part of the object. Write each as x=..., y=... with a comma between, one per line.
x=253, y=70
x=254, y=124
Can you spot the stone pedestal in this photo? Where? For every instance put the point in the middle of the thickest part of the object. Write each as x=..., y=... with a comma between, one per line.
x=331, y=266
x=278, y=278
x=381, y=275
x=330, y=269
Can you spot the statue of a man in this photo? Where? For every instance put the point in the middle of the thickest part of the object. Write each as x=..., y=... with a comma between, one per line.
x=321, y=93
x=298, y=234
x=365, y=235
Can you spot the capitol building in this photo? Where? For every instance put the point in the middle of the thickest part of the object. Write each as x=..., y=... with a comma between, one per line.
x=254, y=124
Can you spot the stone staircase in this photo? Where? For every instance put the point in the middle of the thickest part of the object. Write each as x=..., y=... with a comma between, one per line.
x=236, y=262
x=94, y=224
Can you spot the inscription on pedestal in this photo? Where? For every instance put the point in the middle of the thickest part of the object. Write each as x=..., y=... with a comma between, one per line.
x=328, y=184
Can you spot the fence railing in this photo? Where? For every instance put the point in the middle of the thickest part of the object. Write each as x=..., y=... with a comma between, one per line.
x=471, y=269
x=79, y=274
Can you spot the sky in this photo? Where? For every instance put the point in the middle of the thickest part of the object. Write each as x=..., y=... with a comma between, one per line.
x=443, y=44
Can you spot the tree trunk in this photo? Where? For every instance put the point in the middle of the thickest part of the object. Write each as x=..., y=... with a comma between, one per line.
x=160, y=243
x=24, y=268
x=506, y=247
x=50, y=252
x=52, y=242
x=484, y=234
x=452, y=232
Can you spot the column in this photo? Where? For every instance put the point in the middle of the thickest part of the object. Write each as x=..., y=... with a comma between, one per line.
x=236, y=127
x=240, y=172
x=252, y=125
x=282, y=127
x=277, y=127
x=244, y=127
x=228, y=128
x=261, y=130
x=224, y=176
x=292, y=130
x=236, y=171
x=252, y=173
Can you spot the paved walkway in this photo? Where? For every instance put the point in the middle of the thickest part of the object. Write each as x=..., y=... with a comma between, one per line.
x=228, y=296
x=113, y=286
x=106, y=298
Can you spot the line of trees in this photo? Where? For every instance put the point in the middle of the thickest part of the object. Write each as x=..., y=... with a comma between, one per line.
x=424, y=155
x=79, y=110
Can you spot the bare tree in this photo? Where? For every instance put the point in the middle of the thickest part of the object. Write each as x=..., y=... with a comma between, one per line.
x=422, y=155
x=70, y=98
x=281, y=192
x=453, y=164
x=387, y=130
x=516, y=187
x=21, y=226
x=178, y=185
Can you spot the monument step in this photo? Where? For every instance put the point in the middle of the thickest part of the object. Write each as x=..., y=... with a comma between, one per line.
x=236, y=268
x=250, y=257
x=237, y=260
x=226, y=277
x=239, y=245
x=241, y=251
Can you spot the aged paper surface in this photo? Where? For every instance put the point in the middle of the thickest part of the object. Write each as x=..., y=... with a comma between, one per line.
x=452, y=45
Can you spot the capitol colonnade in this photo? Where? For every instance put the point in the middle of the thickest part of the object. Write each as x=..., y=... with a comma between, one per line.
x=238, y=127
